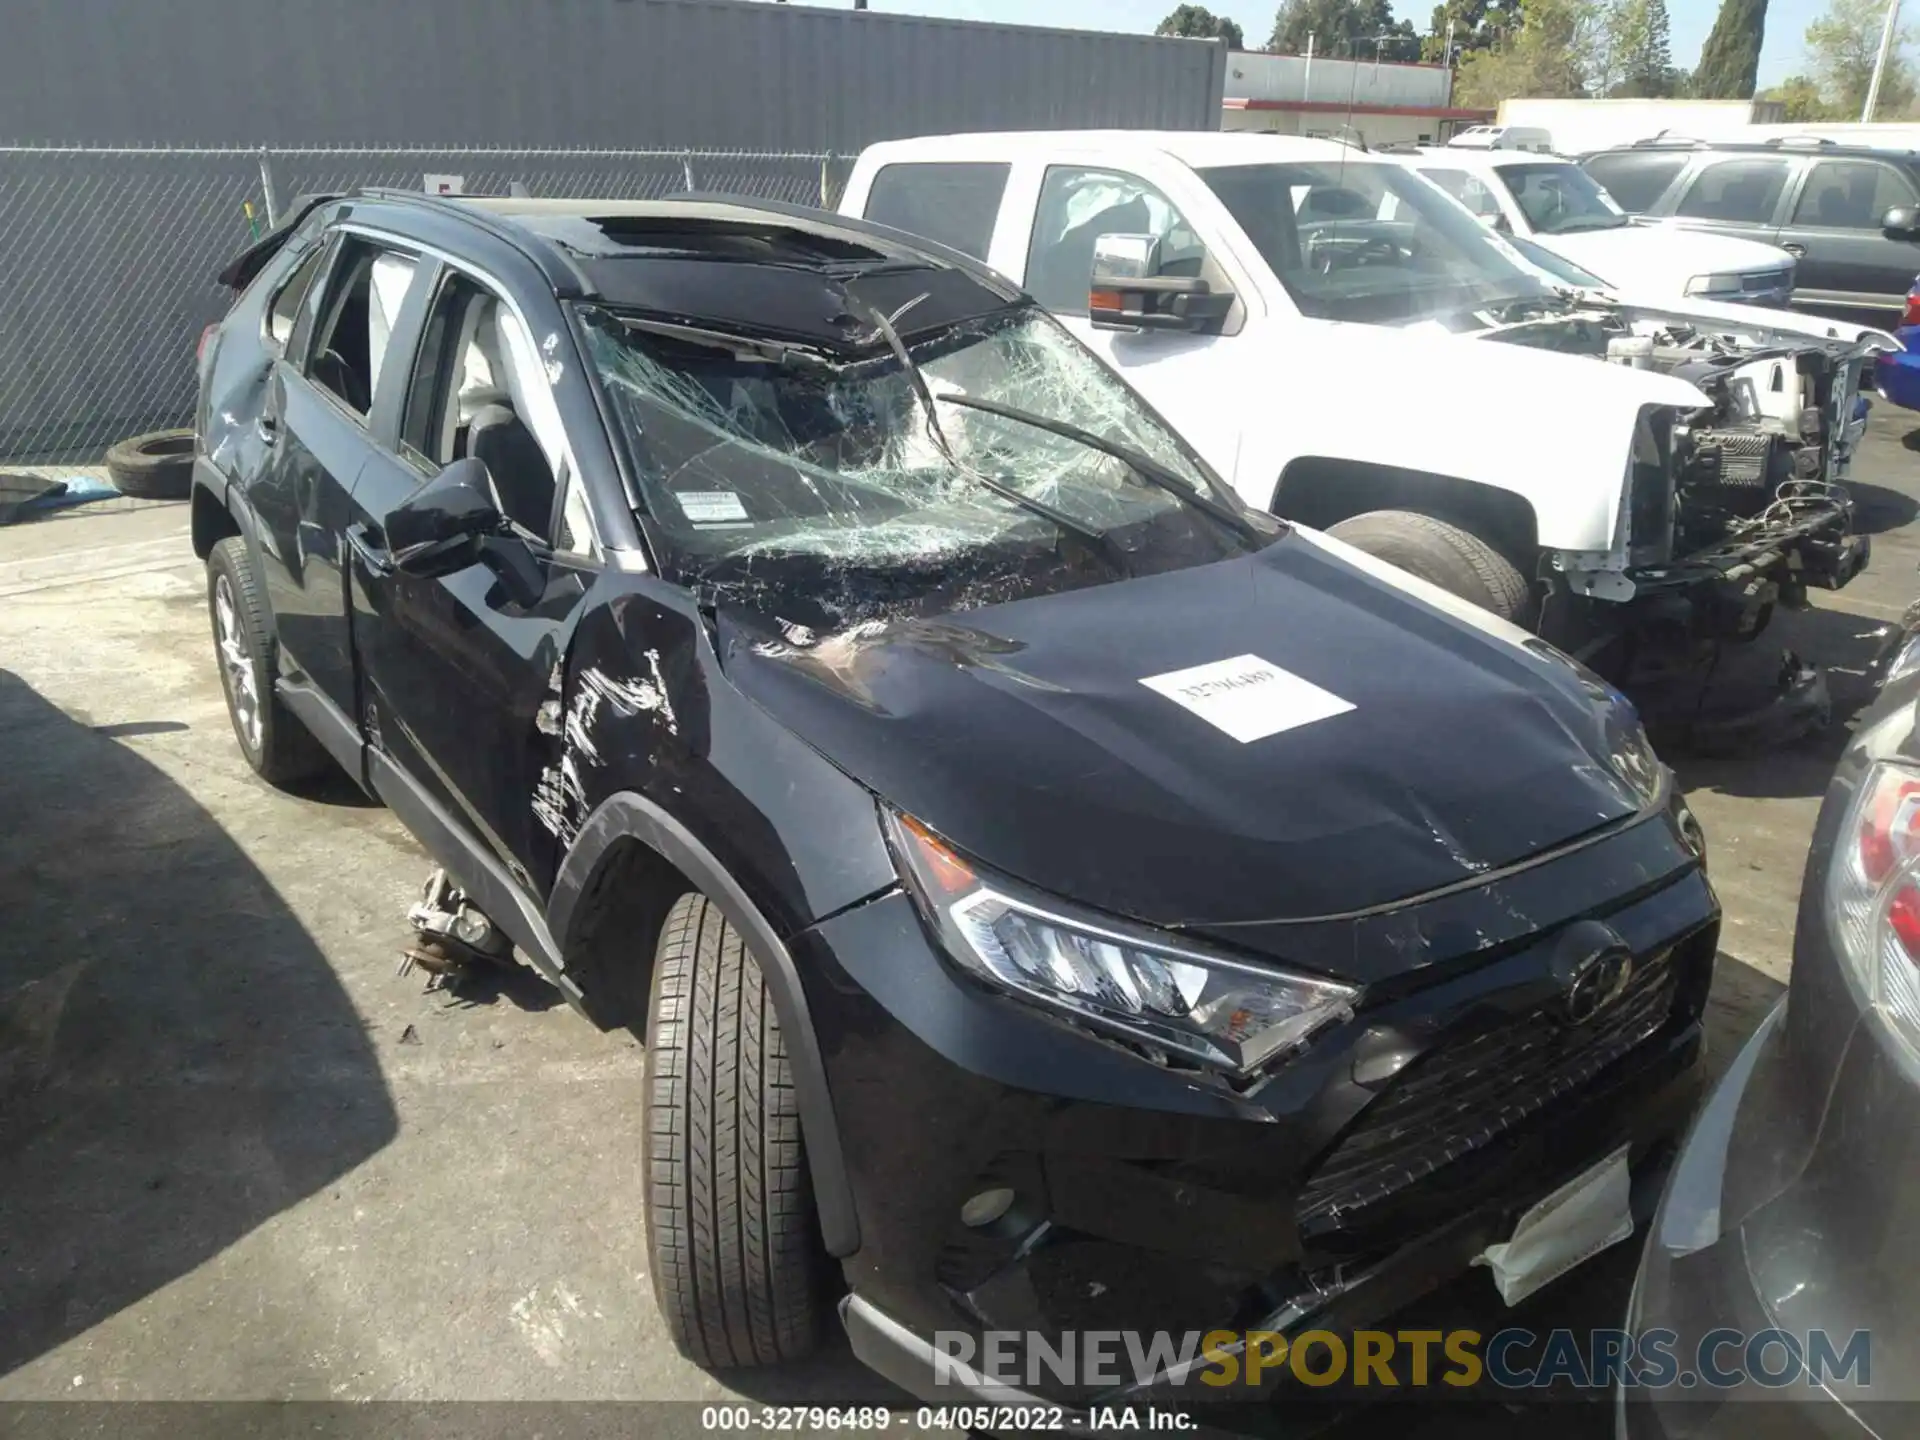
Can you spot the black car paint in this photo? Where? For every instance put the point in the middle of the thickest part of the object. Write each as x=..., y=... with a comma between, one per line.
x=547, y=749
x=1793, y=1203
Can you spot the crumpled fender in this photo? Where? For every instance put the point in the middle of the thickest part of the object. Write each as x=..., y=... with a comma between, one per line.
x=1555, y=430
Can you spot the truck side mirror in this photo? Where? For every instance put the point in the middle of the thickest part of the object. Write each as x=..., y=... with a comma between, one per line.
x=1902, y=222
x=1128, y=292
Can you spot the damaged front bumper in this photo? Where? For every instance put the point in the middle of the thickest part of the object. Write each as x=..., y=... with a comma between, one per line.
x=1019, y=1176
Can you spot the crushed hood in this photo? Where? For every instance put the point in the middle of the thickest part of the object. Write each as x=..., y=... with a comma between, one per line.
x=1423, y=749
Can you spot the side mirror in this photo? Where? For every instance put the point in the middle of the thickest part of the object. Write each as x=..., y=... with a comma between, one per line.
x=1128, y=292
x=1500, y=223
x=439, y=528
x=1902, y=222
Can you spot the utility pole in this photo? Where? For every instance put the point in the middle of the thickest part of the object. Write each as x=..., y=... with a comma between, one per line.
x=1306, y=82
x=1880, y=61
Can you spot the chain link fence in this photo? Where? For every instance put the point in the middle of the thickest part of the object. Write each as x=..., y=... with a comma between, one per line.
x=108, y=256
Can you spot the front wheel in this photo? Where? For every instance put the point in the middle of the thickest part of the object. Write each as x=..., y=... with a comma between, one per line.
x=1442, y=554
x=731, y=1233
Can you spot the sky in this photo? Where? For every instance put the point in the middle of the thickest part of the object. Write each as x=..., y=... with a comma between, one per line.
x=1692, y=19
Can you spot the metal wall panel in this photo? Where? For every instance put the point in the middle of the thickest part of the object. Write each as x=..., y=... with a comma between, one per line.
x=712, y=74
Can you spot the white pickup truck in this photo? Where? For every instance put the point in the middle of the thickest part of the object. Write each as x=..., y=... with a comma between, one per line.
x=1297, y=309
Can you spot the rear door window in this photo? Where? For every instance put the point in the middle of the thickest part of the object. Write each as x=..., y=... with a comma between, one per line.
x=1851, y=194
x=954, y=203
x=363, y=302
x=1636, y=181
x=1742, y=192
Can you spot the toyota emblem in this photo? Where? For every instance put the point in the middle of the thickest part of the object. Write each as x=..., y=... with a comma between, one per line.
x=1594, y=966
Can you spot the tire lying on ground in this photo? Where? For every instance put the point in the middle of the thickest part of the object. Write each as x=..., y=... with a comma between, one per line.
x=735, y=1248
x=1442, y=554
x=156, y=466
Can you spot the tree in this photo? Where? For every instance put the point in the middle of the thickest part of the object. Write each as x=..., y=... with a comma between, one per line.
x=1841, y=48
x=1730, y=60
x=1200, y=23
x=1474, y=24
x=1640, y=47
x=1801, y=95
x=1550, y=55
x=1360, y=29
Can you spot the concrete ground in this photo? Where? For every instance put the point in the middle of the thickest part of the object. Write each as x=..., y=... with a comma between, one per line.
x=241, y=1158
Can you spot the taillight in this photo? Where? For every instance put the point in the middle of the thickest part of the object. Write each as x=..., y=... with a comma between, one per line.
x=1873, y=896
x=206, y=338
x=1912, y=313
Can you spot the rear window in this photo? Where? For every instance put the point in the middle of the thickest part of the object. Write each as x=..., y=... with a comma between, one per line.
x=1739, y=191
x=1635, y=181
x=1850, y=194
x=954, y=203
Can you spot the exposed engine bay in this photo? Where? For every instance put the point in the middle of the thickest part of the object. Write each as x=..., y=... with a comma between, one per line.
x=1761, y=466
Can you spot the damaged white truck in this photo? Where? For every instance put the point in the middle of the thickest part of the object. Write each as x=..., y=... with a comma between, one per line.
x=1296, y=309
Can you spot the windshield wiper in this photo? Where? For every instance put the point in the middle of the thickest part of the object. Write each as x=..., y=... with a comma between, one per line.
x=924, y=395
x=1145, y=466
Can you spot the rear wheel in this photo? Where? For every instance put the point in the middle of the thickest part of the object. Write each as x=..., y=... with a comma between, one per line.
x=277, y=746
x=1443, y=554
x=730, y=1221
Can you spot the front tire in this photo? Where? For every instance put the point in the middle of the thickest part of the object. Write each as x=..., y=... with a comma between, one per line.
x=1442, y=554
x=278, y=747
x=731, y=1232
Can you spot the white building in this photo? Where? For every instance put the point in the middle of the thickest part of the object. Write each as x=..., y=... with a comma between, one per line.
x=1383, y=103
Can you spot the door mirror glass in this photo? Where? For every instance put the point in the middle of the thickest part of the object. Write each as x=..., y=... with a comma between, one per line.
x=1127, y=290
x=439, y=528
x=1902, y=222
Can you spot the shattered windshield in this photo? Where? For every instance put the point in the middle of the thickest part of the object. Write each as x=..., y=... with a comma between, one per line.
x=1560, y=199
x=767, y=466
x=1368, y=241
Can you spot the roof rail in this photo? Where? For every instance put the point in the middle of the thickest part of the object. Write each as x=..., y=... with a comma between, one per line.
x=1781, y=141
x=553, y=262
x=1667, y=138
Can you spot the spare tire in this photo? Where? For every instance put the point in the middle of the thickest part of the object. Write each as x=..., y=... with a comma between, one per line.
x=158, y=466
x=1442, y=554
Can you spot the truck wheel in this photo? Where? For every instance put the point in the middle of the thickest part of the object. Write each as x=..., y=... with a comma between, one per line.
x=277, y=745
x=1442, y=554
x=730, y=1221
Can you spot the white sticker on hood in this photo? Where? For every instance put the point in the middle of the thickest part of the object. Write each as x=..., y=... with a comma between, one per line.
x=712, y=507
x=1248, y=697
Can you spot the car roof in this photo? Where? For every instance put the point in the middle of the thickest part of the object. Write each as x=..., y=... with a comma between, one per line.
x=1199, y=148
x=1463, y=157
x=1786, y=145
x=709, y=259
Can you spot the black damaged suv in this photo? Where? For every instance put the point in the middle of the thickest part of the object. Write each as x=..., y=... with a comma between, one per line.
x=1050, y=894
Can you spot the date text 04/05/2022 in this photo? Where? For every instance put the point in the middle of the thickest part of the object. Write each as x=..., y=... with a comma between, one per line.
x=994, y=1419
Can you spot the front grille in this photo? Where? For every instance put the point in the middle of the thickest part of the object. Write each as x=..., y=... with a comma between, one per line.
x=1767, y=280
x=1473, y=1090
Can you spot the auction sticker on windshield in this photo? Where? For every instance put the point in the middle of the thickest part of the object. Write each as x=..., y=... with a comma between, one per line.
x=1248, y=697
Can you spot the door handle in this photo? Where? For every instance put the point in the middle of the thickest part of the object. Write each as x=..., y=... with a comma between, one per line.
x=267, y=428
x=1794, y=248
x=369, y=551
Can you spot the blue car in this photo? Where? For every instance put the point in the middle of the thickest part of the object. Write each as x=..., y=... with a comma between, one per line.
x=1899, y=375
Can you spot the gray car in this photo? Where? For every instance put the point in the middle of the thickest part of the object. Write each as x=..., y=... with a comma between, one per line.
x=1776, y=1293
x=1850, y=214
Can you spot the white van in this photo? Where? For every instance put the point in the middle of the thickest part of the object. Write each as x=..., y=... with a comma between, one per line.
x=1504, y=137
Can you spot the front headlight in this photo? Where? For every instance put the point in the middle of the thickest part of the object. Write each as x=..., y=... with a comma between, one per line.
x=1714, y=285
x=1161, y=995
x=1873, y=896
